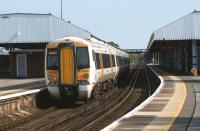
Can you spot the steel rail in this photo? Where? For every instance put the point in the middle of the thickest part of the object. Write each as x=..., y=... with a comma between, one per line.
x=56, y=122
x=53, y=123
x=108, y=109
x=149, y=84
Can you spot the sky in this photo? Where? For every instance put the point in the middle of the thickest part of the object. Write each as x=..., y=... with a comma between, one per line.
x=129, y=23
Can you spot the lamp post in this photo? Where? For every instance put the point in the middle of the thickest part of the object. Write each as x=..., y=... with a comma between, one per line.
x=61, y=8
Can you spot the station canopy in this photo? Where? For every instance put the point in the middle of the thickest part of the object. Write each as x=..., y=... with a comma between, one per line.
x=25, y=30
x=185, y=28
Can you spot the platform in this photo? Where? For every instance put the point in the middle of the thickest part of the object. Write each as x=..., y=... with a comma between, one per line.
x=12, y=86
x=174, y=106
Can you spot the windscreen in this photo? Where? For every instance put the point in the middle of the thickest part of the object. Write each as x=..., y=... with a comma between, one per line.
x=82, y=57
x=52, y=60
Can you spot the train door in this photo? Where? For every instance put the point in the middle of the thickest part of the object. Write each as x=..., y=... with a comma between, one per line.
x=67, y=65
x=111, y=64
x=101, y=67
x=106, y=66
x=99, y=70
x=114, y=66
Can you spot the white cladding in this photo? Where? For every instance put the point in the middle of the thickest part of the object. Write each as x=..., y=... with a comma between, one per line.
x=36, y=28
x=185, y=28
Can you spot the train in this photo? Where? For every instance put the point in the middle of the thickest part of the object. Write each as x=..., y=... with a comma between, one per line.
x=81, y=68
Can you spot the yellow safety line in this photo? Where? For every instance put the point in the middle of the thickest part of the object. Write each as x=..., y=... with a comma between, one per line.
x=179, y=109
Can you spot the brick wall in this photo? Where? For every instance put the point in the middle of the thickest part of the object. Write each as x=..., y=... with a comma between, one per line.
x=35, y=63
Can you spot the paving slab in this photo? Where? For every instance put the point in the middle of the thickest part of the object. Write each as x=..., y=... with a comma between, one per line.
x=12, y=86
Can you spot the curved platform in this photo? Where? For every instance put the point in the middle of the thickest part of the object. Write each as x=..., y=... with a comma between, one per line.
x=13, y=86
x=174, y=106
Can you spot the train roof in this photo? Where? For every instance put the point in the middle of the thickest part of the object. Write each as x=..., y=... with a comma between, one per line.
x=97, y=45
x=107, y=47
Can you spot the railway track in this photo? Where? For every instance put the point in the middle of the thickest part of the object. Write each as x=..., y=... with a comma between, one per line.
x=86, y=116
x=135, y=97
x=52, y=117
x=101, y=113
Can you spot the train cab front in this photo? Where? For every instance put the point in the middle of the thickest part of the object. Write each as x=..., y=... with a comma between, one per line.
x=67, y=67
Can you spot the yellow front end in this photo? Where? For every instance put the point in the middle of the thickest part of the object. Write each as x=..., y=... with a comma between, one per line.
x=67, y=67
x=61, y=70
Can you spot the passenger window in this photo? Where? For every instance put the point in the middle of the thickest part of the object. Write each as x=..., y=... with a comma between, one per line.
x=113, y=60
x=120, y=61
x=106, y=61
x=97, y=61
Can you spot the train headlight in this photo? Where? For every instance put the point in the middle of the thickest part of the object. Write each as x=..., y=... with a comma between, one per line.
x=52, y=78
x=83, y=77
x=55, y=78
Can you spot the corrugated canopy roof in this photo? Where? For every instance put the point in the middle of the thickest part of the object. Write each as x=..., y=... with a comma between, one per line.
x=185, y=28
x=21, y=28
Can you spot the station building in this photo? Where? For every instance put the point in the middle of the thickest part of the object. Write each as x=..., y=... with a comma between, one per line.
x=26, y=36
x=176, y=46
